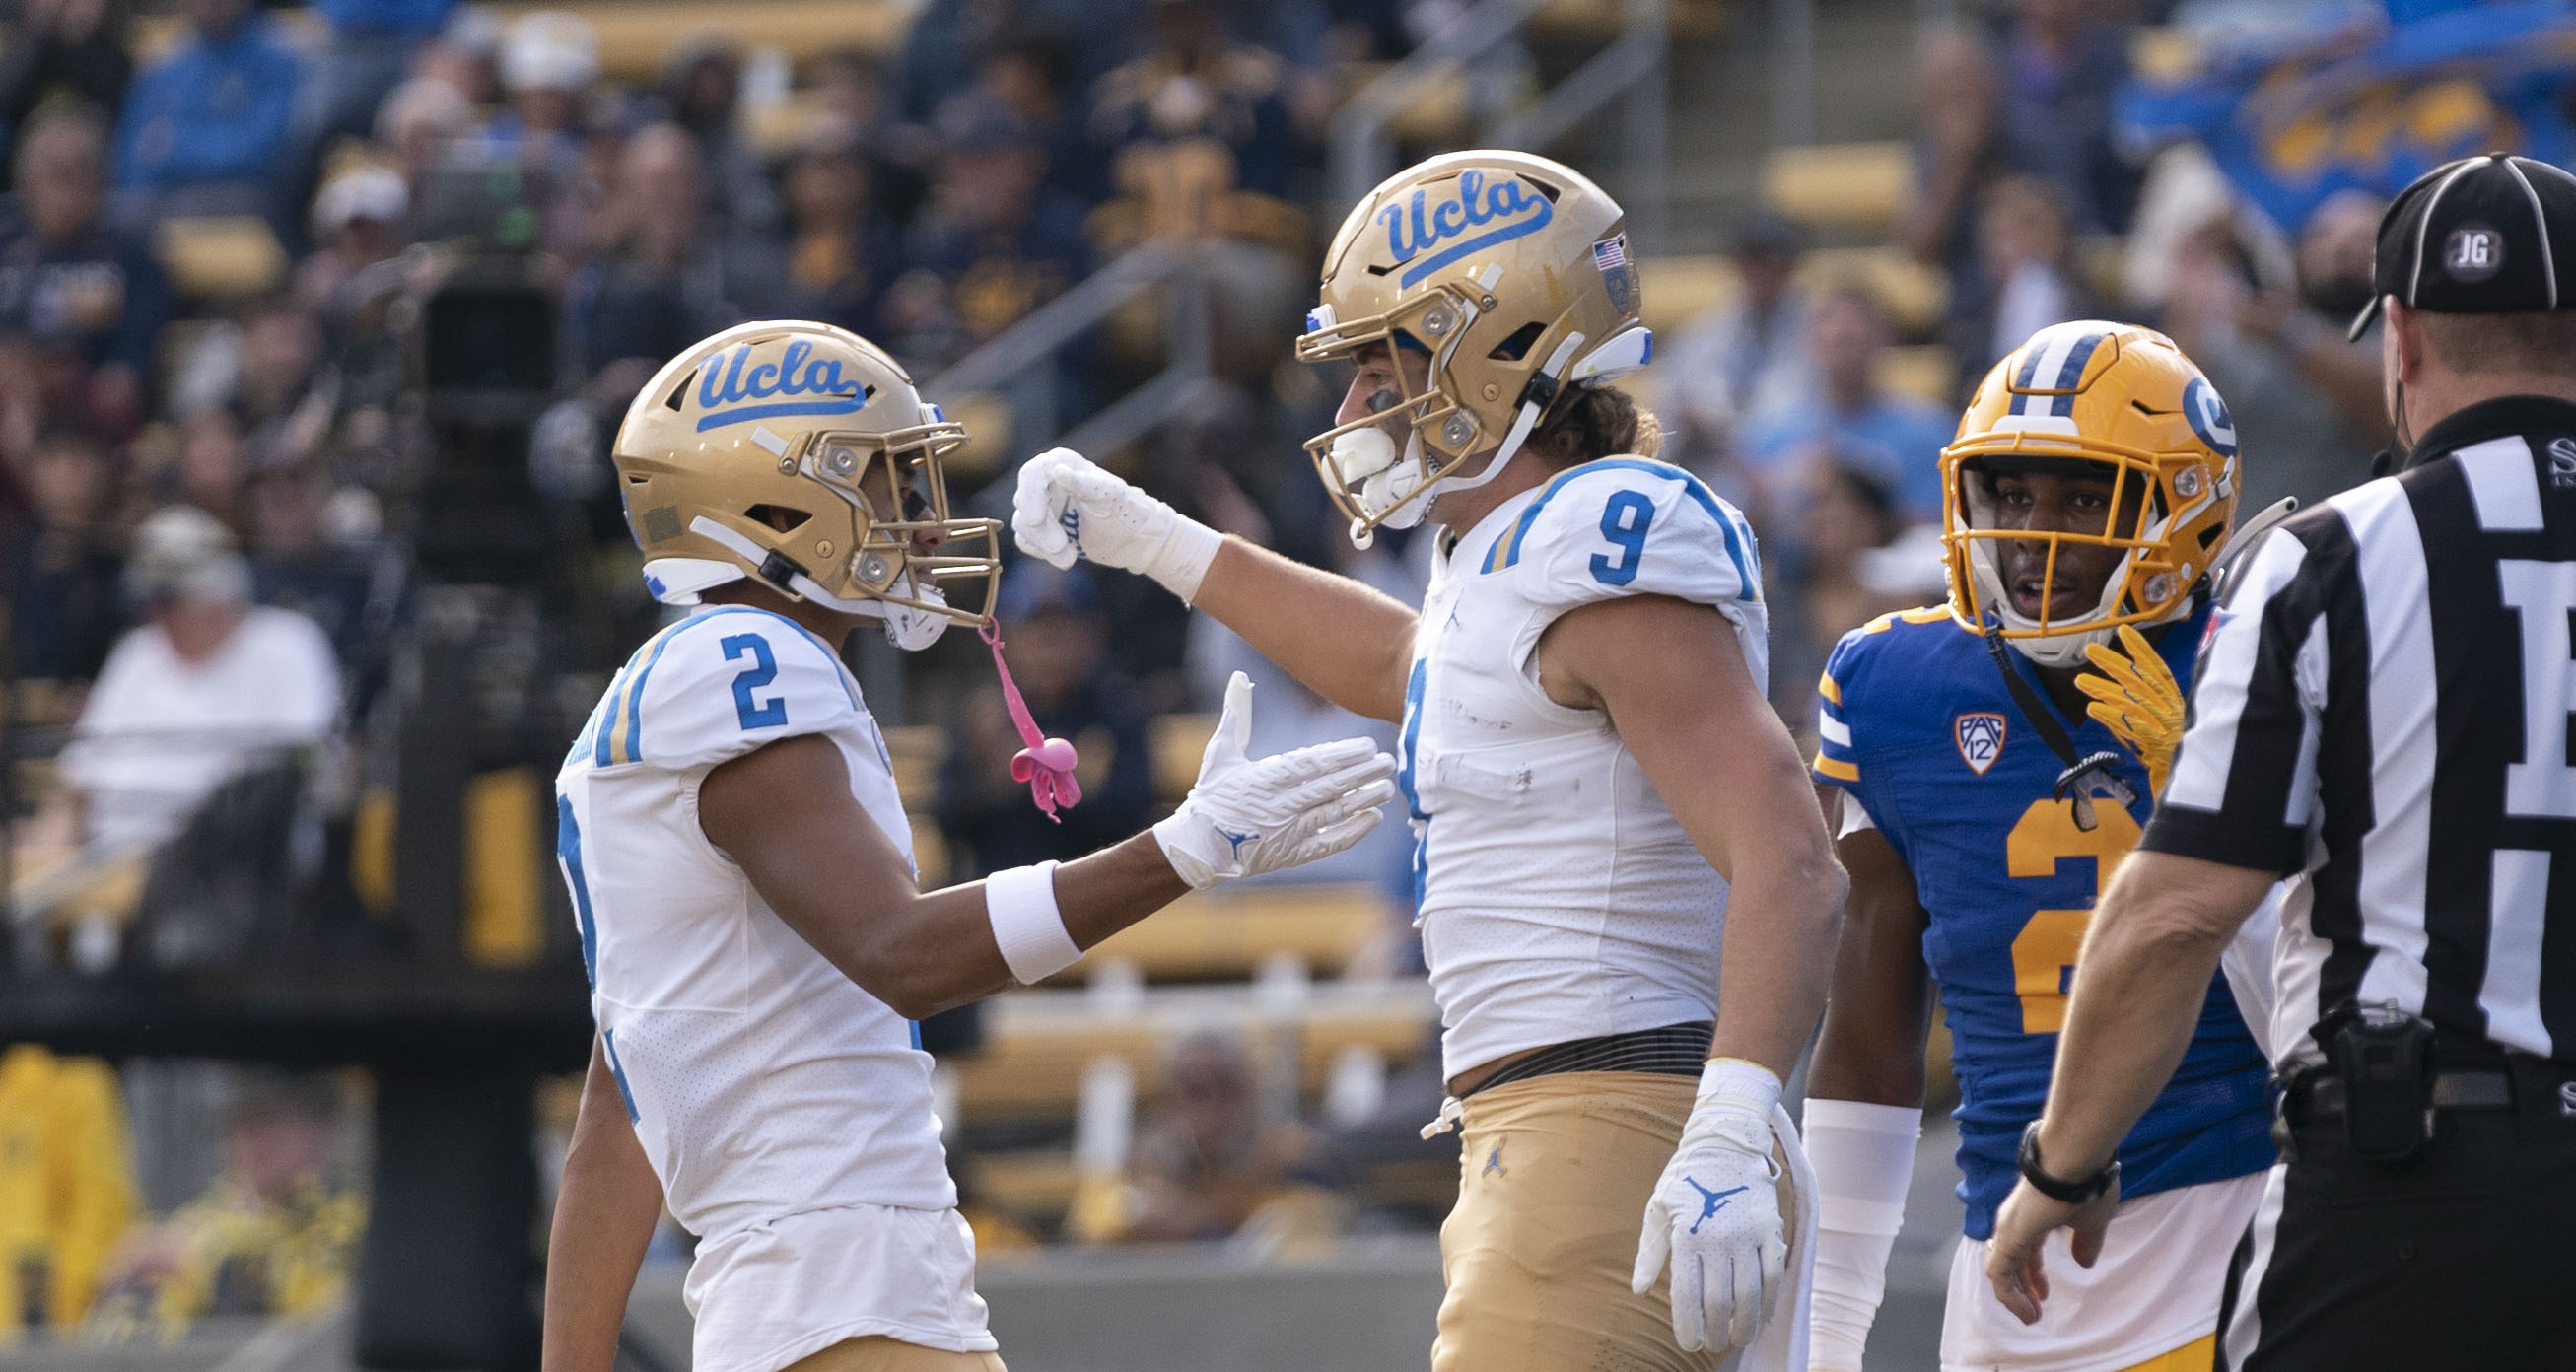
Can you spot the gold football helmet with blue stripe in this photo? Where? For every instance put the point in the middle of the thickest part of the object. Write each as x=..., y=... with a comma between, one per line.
x=2115, y=396
x=799, y=455
x=1511, y=271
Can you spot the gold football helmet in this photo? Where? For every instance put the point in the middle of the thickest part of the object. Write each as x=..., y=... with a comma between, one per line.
x=2118, y=396
x=1512, y=272
x=800, y=455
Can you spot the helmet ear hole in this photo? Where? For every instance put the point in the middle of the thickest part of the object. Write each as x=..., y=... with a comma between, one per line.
x=1516, y=347
x=781, y=518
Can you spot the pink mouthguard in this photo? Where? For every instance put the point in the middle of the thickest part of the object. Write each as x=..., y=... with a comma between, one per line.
x=1046, y=764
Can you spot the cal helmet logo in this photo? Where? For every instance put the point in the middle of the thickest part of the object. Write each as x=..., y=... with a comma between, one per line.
x=730, y=394
x=1981, y=740
x=1477, y=212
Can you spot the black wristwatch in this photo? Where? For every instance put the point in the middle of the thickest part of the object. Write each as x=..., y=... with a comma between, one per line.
x=2070, y=1192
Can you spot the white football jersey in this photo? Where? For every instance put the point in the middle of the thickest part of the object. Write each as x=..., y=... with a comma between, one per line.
x=771, y=1093
x=1559, y=897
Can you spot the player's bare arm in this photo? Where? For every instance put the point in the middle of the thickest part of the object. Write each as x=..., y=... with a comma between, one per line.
x=1878, y=1013
x=786, y=815
x=1672, y=678
x=1347, y=642
x=604, y=1217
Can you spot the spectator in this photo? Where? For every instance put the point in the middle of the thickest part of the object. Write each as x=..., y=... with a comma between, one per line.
x=661, y=281
x=1750, y=354
x=69, y=283
x=62, y=566
x=2027, y=257
x=1058, y=641
x=370, y=48
x=2065, y=66
x=699, y=85
x=205, y=128
x=64, y=47
x=1959, y=94
x=2306, y=402
x=995, y=243
x=952, y=36
x=1851, y=417
x=358, y=222
x=418, y=122
x=66, y=1186
x=841, y=253
x=1212, y=1162
x=1195, y=116
x=548, y=63
x=295, y=565
x=207, y=687
x=1848, y=514
x=213, y=467
x=273, y=1235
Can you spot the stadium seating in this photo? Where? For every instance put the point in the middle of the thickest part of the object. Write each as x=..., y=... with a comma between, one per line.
x=219, y=257
x=1840, y=185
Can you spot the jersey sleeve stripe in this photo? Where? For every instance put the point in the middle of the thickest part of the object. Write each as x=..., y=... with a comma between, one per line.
x=1835, y=769
x=630, y=743
x=1832, y=730
x=1829, y=688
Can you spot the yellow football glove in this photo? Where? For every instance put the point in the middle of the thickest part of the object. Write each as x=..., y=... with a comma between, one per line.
x=2137, y=698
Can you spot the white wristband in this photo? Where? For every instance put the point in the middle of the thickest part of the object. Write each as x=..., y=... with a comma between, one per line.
x=1020, y=902
x=1182, y=562
x=1748, y=1082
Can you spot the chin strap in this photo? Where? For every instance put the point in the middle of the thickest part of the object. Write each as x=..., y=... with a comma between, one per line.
x=2083, y=775
x=1046, y=764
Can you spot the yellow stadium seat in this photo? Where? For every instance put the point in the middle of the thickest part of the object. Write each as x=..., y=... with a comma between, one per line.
x=1681, y=289
x=1037, y=1183
x=1176, y=743
x=917, y=750
x=637, y=36
x=1229, y=932
x=1927, y=370
x=1840, y=185
x=220, y=257
x=1038, y=1044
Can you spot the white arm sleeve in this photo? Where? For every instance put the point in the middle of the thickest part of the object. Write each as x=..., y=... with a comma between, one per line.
x=1863, y=1156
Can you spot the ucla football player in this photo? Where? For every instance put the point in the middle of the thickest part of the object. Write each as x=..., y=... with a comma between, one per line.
x=1986, y=764
x=741, y=872
x=1602, y=801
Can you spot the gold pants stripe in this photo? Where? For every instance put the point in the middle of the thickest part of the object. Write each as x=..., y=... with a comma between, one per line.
x=2196, y=1356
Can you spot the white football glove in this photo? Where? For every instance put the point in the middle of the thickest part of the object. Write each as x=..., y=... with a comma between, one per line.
x=1715, y=1212
x=1066, y=508
x=1244, y=818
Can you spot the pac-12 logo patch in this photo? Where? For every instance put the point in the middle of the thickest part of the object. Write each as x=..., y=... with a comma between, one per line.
x=1981, y=740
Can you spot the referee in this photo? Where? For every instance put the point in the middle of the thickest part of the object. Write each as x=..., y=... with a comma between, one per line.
x=2382, y=716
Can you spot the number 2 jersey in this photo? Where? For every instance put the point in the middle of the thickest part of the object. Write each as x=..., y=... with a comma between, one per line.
x=786, y=1110
x=1559, y=897
x=1920, y=729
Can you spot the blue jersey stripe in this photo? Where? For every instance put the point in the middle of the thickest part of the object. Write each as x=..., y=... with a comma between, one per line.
x=617, y=1073
x=568, y=851
x=1404, y=781
x=1738, y=538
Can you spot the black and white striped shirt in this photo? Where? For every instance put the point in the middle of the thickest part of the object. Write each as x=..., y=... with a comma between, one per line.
x=2382, y=709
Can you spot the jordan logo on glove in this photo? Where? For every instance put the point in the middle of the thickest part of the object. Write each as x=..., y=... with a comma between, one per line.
x=1710, y=1202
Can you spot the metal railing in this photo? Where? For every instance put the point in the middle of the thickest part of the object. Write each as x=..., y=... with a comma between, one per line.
x=1019, y=364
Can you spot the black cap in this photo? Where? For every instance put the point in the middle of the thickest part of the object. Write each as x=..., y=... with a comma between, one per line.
x=2492, y=234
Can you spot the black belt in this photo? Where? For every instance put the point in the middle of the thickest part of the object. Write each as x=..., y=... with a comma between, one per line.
x=2319, y=1097
x=1675, y=1050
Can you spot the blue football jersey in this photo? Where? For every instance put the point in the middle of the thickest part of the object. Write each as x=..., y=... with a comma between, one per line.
x=1919, y=728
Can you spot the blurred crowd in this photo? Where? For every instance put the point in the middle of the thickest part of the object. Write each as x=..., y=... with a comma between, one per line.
x=224, y=225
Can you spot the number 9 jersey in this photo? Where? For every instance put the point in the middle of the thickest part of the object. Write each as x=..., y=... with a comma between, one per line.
x=1559, y=898
x=1920, y=731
